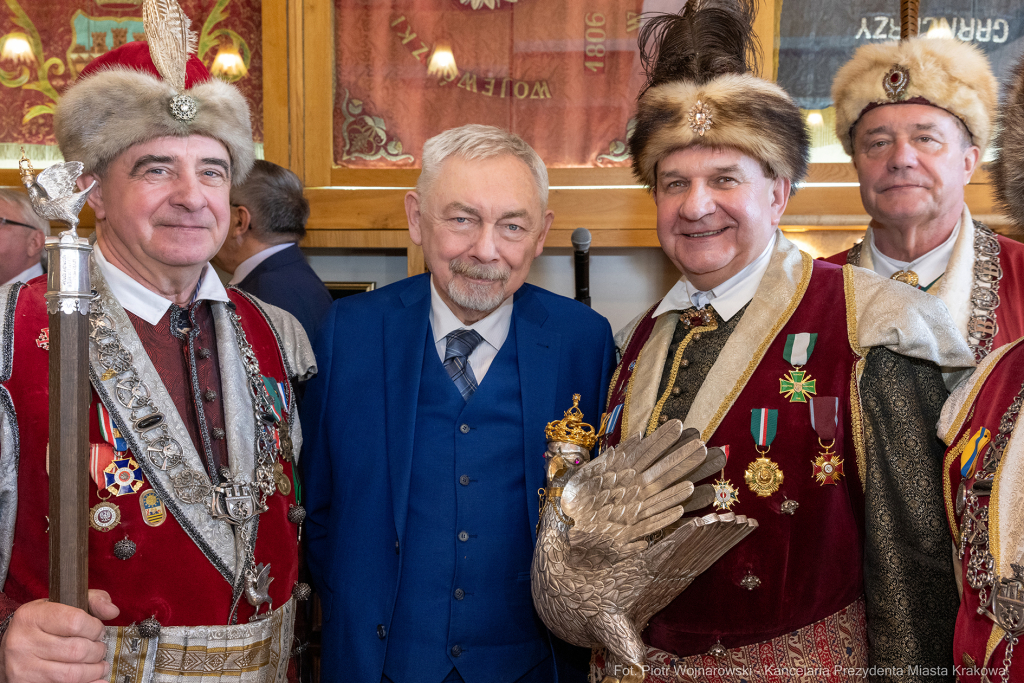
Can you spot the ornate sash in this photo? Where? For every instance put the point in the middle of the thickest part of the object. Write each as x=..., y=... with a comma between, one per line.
x=217, y=540
x=255, y=652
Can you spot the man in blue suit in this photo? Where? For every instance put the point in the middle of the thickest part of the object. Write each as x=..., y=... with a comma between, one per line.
x=268, y=220
x=424, y=450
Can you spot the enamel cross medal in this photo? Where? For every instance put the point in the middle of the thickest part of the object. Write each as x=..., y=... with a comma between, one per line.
x=725, y=495
x=797, y=385
x=828, y=467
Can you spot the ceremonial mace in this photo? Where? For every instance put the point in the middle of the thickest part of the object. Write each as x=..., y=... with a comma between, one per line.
x=68, y=293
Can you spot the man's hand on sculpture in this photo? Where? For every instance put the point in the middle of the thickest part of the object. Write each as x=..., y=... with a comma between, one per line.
x=47, y=642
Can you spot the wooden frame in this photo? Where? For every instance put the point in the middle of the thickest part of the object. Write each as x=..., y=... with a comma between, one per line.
x=344, y=289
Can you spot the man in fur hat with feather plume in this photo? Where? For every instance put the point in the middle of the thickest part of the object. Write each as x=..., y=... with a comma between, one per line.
x=182, y=584
x=827, y=412
x=913, y=161
x=984, y=466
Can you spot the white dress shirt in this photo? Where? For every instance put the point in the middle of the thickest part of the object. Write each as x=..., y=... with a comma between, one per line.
x=249, y=264
x=493, y=328
x=35, y=270
x=147, y=304
x=727, y=298
x=928, y=267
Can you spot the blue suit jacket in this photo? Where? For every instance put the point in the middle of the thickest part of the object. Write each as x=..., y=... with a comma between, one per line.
x=359, y=415
x=285, y=280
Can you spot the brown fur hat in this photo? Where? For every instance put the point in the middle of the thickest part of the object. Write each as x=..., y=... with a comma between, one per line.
x=114, y=107
x=1008, y=168
x=700, y=92
x=944, y=72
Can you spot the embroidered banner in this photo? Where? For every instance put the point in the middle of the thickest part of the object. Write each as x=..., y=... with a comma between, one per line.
x=563, y=75
x=44, y=44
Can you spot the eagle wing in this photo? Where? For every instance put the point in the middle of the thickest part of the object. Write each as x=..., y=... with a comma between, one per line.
x=59, y=180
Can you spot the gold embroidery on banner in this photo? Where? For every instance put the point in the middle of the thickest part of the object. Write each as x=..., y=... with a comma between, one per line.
x=652, y=424
x=801, y=288
x=947, y=485
x=365, y=136
x=618, y=150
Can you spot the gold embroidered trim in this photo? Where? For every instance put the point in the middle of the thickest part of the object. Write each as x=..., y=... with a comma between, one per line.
x=625, y=345
x=801, y=289
x=134, y=666
x=857, y=425
x=676, y=360
x=191, y=660
x=851, y=311
x=947, y=485
x=979, y=379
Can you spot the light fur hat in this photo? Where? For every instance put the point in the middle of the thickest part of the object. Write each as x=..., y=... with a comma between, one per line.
x=140, y=91
x=943, y=72
x=1008, y=168
x=700, y=92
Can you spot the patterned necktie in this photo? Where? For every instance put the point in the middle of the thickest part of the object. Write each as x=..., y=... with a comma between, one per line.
x=460, y=344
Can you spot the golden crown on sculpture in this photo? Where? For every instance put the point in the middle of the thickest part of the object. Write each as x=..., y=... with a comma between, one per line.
x=572, y=428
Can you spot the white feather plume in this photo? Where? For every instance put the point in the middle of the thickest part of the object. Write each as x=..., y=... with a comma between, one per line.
x=170, y=39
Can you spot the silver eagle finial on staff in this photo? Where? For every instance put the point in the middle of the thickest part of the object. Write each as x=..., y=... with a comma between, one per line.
x=53, y=192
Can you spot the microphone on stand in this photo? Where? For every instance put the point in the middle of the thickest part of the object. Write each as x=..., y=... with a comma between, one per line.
x=581, y=259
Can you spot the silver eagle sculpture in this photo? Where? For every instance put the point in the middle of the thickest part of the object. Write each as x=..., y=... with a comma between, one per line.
x=613, y=545
x=53, y=192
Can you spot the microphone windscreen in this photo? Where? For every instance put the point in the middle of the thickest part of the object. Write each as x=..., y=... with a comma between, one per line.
x=580, y=239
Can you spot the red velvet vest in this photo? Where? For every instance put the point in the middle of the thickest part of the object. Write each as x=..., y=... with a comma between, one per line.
x=808, y=563
x=1010, y=312
x=168, y=577
x=974, y=630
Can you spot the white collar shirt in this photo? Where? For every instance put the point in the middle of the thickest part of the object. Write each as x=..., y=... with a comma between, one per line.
x=147, y=304
x=727, y=298
x=249, y=264
x=928, y=267
x=493, y=328
x=35, y=270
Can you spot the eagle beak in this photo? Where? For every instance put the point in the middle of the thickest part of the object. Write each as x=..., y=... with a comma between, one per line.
x=556, y=468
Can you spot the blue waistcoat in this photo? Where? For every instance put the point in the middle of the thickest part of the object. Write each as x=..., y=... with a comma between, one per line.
x=464, y=588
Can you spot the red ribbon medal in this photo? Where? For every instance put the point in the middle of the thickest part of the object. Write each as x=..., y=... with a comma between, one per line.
x=828, y=467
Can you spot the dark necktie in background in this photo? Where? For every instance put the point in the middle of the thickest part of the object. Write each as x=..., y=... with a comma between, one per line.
x=460, y=344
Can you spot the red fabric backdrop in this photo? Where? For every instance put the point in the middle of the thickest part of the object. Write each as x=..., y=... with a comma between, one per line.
x=564, y=75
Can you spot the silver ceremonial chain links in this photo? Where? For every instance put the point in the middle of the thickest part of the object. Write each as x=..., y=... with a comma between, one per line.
x=234, y=502
x=982, y=327
x=1000, y=599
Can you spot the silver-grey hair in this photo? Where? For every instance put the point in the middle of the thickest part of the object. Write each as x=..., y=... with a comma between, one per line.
x=19, y=198
x=273, y=196
x=474, y=141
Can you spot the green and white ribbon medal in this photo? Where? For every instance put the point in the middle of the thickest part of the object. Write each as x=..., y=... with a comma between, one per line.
x=797, y=385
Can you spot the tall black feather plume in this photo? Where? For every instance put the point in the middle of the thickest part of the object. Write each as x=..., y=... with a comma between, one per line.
x=706, y=39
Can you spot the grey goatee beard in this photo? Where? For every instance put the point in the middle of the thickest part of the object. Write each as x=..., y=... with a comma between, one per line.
x=474, y=297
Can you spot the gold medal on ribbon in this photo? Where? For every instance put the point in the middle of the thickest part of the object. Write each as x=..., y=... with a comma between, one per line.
x=763, y=476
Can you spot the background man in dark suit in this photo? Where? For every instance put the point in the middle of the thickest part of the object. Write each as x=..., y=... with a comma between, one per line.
x=268, y=219
x=427, y=431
